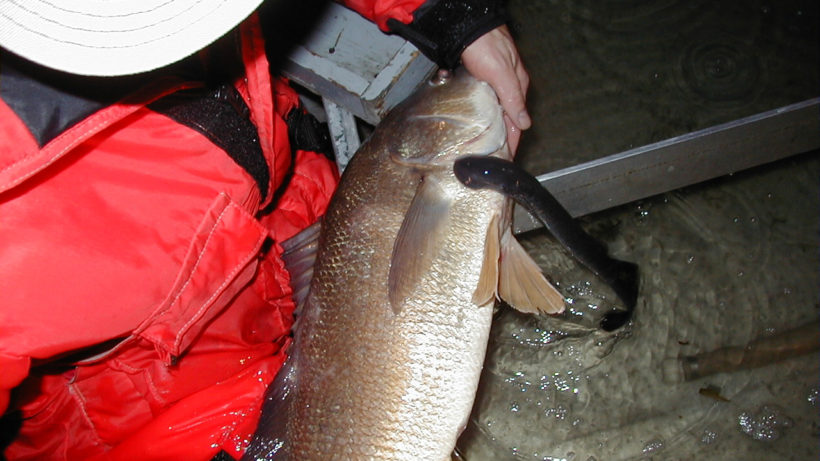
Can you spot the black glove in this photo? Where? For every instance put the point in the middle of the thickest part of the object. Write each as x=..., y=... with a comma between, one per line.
x=441, y=29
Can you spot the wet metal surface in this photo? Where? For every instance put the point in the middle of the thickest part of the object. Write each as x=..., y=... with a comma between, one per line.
x=682, y=161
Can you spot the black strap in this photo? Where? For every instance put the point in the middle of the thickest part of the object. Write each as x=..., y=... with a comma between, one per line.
x=223, y=117
x=305, y=132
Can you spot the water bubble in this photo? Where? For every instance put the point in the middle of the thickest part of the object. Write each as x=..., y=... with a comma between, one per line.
x=814, y=396
x=652, y=446
x=708, y=436
x=562, y=384
x=764, y=425
x=641, y=212
x=575, y=312
x=514, y=407
x=559, y=412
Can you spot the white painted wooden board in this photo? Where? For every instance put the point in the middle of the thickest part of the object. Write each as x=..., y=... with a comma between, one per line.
x=349, y=61
x=343, y=132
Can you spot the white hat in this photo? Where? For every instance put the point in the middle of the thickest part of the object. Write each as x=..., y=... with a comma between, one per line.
x=115, y=37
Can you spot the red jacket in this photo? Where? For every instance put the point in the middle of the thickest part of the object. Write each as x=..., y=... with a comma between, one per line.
x=143, y=308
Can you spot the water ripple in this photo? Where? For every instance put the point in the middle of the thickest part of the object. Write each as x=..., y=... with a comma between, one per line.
x=720, y=68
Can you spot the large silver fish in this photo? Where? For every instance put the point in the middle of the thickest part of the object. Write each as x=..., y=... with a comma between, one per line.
x=390, y=341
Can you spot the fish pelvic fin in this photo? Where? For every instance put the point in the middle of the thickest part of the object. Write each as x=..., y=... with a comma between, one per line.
x=521, y=283
x=299, y=255
x=487, y=288
x=419, y=239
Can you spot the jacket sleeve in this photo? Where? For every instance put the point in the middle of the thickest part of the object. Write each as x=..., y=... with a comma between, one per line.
x=380, y=11
x=441, y=29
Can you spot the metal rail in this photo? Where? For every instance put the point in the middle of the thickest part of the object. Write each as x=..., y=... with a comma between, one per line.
x=681, y=161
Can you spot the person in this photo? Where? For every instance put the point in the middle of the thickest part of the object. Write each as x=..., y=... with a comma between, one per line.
x=147, y=178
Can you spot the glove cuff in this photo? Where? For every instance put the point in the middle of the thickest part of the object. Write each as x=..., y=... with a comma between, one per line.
x=442, y=29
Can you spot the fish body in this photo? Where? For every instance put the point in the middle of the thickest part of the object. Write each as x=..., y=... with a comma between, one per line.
x=390, y=342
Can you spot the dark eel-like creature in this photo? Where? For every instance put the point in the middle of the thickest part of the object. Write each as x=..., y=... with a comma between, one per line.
x=484, y=172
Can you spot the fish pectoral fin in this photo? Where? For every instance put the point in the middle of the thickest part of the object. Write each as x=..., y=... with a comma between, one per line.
x=521, y=283
x=487, y=286
x=419, y=239
x=299, y=255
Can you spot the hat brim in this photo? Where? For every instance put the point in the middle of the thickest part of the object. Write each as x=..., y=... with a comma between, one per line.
x=115, y=37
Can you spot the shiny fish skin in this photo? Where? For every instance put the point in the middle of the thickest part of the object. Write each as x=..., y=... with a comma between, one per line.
x=370, y=377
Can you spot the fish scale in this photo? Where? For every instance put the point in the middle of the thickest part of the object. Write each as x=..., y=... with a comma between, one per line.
x=389, y=344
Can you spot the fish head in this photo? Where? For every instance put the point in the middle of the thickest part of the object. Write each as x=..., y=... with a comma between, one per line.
x=454, y=115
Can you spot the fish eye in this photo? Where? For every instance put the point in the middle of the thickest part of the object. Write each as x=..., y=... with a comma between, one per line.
x=440, y=78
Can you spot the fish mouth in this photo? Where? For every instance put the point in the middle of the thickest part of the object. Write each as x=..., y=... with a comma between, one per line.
x=465, y=119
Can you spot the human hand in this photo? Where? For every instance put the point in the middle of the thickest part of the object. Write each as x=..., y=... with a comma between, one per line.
x=494, y=59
